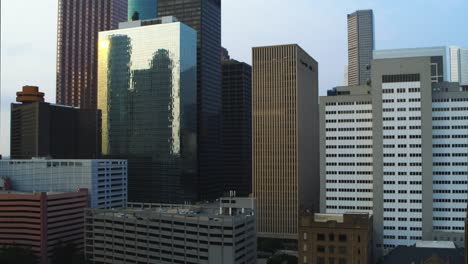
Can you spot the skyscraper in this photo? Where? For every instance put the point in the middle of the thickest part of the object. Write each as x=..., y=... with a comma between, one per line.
x=285, y=151
x=147, y=93
x=399, y=152
x=79, y=22
x=142, y=9
x=40, y=129
x=237, y=127
x=205, y=17
x=459, y=66
x=360, y=46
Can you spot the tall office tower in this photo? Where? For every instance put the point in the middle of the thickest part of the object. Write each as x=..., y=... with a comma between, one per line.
x=40, y=129
x=205, y=17
x=142, y=9
x=346, y=172
x=105, y=180
x=42, y=221
x=360, y=46
x=147, y=93
x=420, y=149
x=459, y=66
x=415, y=137
x=285, y=145
x=79, y=22
x=237, y=127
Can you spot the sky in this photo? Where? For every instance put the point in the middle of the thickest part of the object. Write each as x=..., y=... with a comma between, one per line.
x=29, y=36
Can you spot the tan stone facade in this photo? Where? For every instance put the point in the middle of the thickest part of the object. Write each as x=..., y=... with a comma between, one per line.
x=285, y=158
x=335, y=239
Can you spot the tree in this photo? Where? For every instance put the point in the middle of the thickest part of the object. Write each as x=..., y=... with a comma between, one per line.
x=282, y=259
x=68, y=253
x=17, y=255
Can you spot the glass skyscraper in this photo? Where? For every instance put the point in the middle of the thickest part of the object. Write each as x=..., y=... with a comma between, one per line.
x=78, y=25
x=205, y=17
x=142, y=9
x=147, y=93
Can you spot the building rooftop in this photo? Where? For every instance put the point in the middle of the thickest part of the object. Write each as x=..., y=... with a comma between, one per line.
x=435, y=244
x=410, y=52
x=416, y=255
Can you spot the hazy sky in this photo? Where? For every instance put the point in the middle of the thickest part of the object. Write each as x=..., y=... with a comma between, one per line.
x=28, y=35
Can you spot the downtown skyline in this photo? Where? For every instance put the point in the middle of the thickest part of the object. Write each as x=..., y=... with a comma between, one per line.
x=31, y=60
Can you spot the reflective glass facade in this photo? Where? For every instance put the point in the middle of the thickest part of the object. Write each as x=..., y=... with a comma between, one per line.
x=205, y=17
x=147, y=93
x=142, y=9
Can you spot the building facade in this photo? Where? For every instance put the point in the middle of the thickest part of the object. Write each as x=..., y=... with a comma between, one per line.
x=42, y=221
x=416, y=127
x=336, y=238
x=285, y=146
x=159, y=233
x=40, y=129
x=205, y=17
x=147, y=93
x=105, y=180
x=142, y=9
x=346, y=172
x=360, y=46
x=459, y=65
x=77, y=34
x=237, y=127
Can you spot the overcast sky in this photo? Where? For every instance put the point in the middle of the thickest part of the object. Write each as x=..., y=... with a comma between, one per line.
x=28, y=36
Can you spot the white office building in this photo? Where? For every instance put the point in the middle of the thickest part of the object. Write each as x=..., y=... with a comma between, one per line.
x=106, y=180
x=414, y=135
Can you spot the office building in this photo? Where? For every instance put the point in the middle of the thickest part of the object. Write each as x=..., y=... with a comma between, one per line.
x=79, y=22
x=459, y=66
x=237, y=127
x=466, y=237
x=40, y=129
x=142, y=9
x=41, y=221
x=147, y=93
x=335, y=238
x=417, y=126
x=285, y=138
x=161, y=233
x=426, y=252
x=105, y=180
x=360, y=46
x=346, y=172
x=205, y=17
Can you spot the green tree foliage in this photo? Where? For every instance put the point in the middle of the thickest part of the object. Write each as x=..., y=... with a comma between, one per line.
x=17, y=255
x=282, y=259
x=68, y=253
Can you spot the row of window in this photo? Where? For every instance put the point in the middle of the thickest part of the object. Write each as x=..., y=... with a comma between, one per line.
x=450, y=100
x=403, y=191
x=350, y=138
x=342, y=207
x=349, y=103
x=450, y=200
x=450, y=118
x=348, y=146
x=403, y=182
x=446, y=109
x=402, y=155
x=349, y=172
x=418, y=201
x=349, y=164
x=400, y=127
x=403, y=173
x=402, y=118
x=342, y=112
x=359, y=120
x=401, y=90
x=349, y=129
x=401, y=109
x=349, y=181
x=361, y=199
x=401, y=100
x=347, y=155
x=449, y=127
x=348, y=190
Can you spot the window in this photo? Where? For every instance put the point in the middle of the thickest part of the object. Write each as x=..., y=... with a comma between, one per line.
x=320, y=249
x=342, y=238
x=320, y=237
x=331, y=237
x=305, y=236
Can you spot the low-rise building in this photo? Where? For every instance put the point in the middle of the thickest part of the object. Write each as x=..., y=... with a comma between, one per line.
x=106, y=180
x=335, y=238
x=437, y=252
x=42, y=220
x=164, y=233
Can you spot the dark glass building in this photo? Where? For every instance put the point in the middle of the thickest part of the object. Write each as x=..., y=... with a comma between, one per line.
x=41, y=129
x=237, y=127
x=147, y=93
x=205, y=17
x=142, y=9
x=79, y=22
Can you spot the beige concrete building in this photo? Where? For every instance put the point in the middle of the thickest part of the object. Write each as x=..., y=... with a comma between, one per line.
x=285, y=138
x=335, y=238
